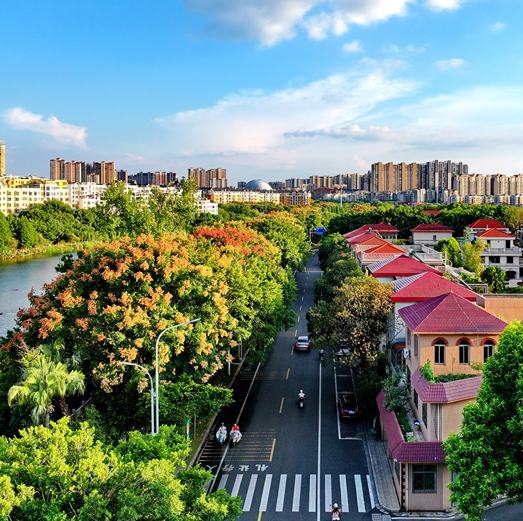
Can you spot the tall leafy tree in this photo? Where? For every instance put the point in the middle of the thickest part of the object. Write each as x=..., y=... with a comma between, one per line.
x=42, y=381
x=6, y=238
x=495, y=277
x=487, y=454
x=451, y=248
x=27, y=234
x=472, y=256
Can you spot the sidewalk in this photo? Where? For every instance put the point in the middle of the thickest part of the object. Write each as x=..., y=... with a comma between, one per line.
x=382, y=473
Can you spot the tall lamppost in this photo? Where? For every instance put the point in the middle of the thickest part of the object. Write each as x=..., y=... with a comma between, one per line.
x=156, y=377
x=152, y=391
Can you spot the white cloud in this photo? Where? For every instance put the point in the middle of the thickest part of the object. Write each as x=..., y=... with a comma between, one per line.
x=269, y=21
x=452, y=63
x=444, y=5
x=410, y=48
x=353, y=47
x=60, y=132
x=497, y=26
x=256, y=122
x=272, y=21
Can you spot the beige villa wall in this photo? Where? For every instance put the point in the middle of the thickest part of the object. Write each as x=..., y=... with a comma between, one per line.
x=430, y=502
x=451, y=365
x=452, y=417
x=507, y=307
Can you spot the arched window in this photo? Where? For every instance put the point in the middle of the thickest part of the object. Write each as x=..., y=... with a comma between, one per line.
x=488, y=348
x=439, y=350
x=464, y=351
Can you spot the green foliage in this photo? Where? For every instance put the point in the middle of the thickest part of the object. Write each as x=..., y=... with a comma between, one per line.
x=495, y=277
x=427, y=372
x=452, y=377
x=42, y=381
x=355, y=319
x=64, y=473
x=396, y=394
x=331, y=246
x=452, y=249
x=6, y=237
x=27, y=235
x=472, y=256
x=486, y=453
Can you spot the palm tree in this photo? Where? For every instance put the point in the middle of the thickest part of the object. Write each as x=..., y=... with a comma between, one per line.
x=42, y=381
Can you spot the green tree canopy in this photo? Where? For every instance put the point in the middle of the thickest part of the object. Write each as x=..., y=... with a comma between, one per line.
x=452, y=249
x=487, y=454
x=495, y=277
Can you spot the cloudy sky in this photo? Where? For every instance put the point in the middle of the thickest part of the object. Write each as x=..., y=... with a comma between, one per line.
x=265, y=88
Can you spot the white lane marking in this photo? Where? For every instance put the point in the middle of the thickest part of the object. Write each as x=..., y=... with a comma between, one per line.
x=359, y=493
x=250, y=493
x=236, y=486
x=371, y=493
x=296, y=333
x=336, y=402
x=223, y=481
x=328, y=493
x=237, y=421
x=302, y=297
x=281, y=493
x=299, y=316
x=297, y=492
x=318, y=473
x=343, y=493
x=265, y=493
x=312, y=493
x=300, y=307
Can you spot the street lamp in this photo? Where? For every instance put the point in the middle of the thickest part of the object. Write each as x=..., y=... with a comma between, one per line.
x=152, y=391
x=156, y=377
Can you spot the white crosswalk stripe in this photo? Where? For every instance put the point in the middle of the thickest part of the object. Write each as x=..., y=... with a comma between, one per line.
x=353, y=492
x=281, y=493
x=359, y=493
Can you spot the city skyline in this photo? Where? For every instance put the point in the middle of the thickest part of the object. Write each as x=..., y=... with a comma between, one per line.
x=272, y=90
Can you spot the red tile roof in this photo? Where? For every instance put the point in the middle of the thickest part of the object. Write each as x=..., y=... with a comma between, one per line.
x=357, y=231
x=399, y=449
x=356, y=239
x=402, y=266
x=426, y=286
x=450, y=313
x=383, y=228
x=434, y=227
x=447, y=392
x=432, y=212
x=488, y=223
x=495, y=233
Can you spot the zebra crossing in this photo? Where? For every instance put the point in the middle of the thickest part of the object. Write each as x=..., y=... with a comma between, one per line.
x=298, y=492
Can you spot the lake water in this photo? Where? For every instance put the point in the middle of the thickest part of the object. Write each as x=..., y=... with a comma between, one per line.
x=17, y=280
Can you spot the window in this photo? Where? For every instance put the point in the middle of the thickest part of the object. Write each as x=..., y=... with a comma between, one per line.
x=464, y=352
x=424, y=415
x=439, y=351
x=415, y=398
x=435, y=238
x=510, y=260
x=409, y=338
x=416, y=345
x=507, y=244
x=488, y=350
x=424, y=479
x=493, y=260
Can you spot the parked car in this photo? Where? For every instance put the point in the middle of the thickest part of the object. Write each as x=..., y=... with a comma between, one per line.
x=302, y=343
x=348, y=405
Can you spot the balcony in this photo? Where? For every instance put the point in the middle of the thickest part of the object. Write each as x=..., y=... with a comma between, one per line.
x=515, y=251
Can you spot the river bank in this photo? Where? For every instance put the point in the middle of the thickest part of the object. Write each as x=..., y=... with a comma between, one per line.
x=42, y=251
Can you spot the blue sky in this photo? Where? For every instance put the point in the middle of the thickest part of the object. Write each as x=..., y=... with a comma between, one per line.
x=265, y=88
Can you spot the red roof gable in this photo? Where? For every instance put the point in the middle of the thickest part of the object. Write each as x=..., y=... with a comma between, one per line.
x=495, y=233
x=356, y=239
x=399, y=449
x=450, y=313
x=434, y=227
x=357, y=231
x=387, y=247
x=402, y=266
x=488, y=223
x=446, y=392
x=383, y=228
x=426, y=286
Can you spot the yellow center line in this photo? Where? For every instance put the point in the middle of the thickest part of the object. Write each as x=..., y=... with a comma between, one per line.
x=288, y=371
x=281, y=405
x=272, y=450
x=260, y=515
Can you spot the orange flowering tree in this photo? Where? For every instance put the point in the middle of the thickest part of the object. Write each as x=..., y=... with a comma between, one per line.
x=110, y=304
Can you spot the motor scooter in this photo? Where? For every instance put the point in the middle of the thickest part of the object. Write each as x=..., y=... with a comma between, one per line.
x=301, y=400
x=336, y=513
x=235, y=436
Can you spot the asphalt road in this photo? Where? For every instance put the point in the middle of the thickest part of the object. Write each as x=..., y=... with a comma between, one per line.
x=293, y=463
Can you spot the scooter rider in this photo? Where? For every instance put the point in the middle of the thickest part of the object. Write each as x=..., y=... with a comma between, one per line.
x=336, y=512
x=221, y=434
x=301, y=398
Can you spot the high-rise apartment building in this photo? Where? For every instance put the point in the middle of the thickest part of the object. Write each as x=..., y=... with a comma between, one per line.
x=213, y=178
x=103, y=172
x=2, y=159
